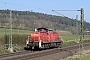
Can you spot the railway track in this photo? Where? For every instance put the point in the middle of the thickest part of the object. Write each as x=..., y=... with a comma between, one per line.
x=27, y=55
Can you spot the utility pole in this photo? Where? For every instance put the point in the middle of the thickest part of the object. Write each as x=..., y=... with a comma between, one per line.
x=76, y=40
x=10, y=36
x=82, y=29
x=17, y=22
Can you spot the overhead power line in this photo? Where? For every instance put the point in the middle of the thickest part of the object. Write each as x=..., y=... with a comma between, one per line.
x=14, y=4
x=6, y=3
x=67, y=10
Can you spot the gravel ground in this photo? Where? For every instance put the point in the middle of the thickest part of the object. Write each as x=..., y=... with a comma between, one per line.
x=56, y=56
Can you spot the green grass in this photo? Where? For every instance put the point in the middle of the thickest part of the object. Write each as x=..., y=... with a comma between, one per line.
x=74, y=59
x=2, y=51
x=67, y=36
x=70, y=39
x=87, y=37
x=14, y=31
x=83, y=57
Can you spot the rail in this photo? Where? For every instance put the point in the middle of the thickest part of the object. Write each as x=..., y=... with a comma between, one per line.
x=65, y=51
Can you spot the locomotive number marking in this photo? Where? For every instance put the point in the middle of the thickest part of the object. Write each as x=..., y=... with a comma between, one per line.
x=34, y=34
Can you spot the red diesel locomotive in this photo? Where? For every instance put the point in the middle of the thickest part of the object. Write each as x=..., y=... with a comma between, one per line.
x=43, y=38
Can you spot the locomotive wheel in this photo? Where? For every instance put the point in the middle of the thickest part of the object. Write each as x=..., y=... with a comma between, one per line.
x=26, y=48
x=60, y=46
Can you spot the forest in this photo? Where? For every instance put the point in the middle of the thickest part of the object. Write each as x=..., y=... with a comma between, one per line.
x=30, y=20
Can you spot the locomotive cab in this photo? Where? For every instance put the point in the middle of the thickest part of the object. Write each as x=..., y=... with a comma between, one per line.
x=42, y=30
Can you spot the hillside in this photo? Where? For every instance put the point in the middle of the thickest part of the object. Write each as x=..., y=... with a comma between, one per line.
x=30, y=20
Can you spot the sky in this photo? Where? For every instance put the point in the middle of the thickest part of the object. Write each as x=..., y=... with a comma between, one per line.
x=46, y=6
